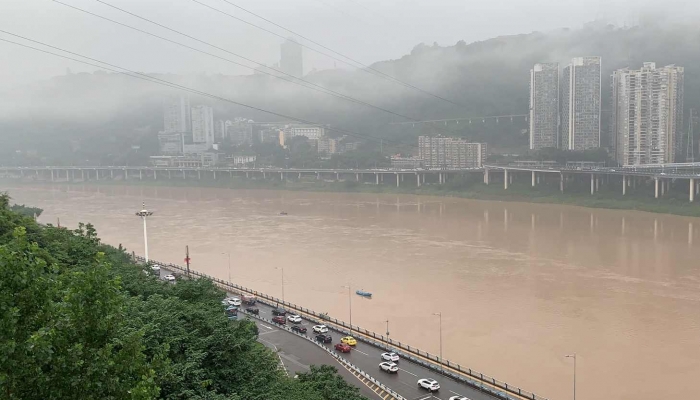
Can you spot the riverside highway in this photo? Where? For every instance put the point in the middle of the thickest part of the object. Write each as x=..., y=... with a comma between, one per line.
x=367, y=358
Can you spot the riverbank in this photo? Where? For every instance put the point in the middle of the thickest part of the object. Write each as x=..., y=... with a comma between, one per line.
x=640, y=199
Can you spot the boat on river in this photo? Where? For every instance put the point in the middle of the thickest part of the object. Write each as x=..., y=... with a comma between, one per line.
x=363, y=293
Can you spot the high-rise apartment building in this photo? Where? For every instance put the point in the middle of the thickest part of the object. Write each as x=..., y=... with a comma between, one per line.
x=544, y=106
x=176, y=115
x=203, y=125
x=292, y=60
x=581, y=100
x=647, y=114
x=450, y=153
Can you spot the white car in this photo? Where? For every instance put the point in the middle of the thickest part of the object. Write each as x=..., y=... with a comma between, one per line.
x=389, y=367
x=155, y=268
x=320, y=329
x=295, y=319
x=234, y=301
x=459, y=398
x=393, y=357
x=169, y=278
x=429, y=384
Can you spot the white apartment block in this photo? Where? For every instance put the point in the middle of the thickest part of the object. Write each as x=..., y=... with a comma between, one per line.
x=450, y=153
x=544, y=106
x=581, y=102
x=647, y=114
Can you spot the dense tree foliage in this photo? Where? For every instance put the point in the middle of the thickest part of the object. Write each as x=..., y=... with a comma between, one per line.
x=79, y=320
x=26, y=210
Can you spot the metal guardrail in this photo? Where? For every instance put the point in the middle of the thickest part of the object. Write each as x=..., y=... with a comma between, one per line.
x=342, y=360
x=464, y=375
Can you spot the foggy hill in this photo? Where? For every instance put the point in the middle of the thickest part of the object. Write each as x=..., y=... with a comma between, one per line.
x=100, y=116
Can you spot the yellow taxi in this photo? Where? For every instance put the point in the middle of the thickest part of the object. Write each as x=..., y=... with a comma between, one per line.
x=349, y=340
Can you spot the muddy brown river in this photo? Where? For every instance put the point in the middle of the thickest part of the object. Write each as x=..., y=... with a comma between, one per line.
x=519, y=285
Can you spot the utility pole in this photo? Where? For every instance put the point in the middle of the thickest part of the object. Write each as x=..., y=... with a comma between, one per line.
x=187, y=259
x=574, y=357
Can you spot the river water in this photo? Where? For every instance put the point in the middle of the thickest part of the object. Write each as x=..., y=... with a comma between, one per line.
x=518, y=285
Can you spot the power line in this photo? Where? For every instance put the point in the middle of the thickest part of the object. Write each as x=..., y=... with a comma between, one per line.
x=311, y=85
x=163, y=82
x=367, y=67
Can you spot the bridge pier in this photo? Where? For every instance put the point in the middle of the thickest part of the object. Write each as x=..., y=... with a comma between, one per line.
x=656, y=188
x=486, y=176
x=561, y=182
x=534, y=178
x=126, y=174
x=111, y=174
x=417, y=180
x=214, y=174
x=397, y=180
x=155, y=175
x=597, y=183
x=282, y=176
x=299, y=175
x=663, y=188
x=97, y=174
x=140, y=175
x=624, y=185
x=52, y=177
x=592, y=183
x=183, y=174
x=692, y=190
x=169, y=176
x=199, y=174
x=505, y=179
x=376, y=175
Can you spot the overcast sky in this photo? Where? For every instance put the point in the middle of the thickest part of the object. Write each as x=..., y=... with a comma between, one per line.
x=367, y=30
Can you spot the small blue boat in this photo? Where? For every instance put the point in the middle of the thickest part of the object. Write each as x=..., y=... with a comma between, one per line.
x=363, y=293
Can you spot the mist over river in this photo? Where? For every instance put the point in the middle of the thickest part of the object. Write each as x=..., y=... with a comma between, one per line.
x=518, y=285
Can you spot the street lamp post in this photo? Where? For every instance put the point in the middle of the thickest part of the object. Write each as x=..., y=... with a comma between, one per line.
x=349, y=305
x=439, y=314
x=144, y=214
x=229, y=266
x=574, y=357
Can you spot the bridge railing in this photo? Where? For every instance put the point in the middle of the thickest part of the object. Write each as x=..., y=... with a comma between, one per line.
x=445, y=367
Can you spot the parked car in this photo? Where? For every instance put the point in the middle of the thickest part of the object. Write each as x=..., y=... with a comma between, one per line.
x=293, y=318
x=343, y=348
x=320, y=329
x=349, y=340
x=459, y=398
x=169, y=278
x=232, y=312
x=279, y=320
x=298, y=328
x=253, y=310
x=156, y=269
x=279, y=311
x=324, y=338
x=429, y=384
x=389, y=367
x=393, y=357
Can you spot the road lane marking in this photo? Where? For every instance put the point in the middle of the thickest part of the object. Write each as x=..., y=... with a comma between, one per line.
x=409, y=373
x=362, y=352
x=265, y=333
x=265, y=326
x=456, y=393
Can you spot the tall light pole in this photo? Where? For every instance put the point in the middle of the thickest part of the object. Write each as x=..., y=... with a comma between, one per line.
x=229, y=265
x=144, y=214
x=439, y=314
x=574, y=357
x=282, y=269
x=349, y=305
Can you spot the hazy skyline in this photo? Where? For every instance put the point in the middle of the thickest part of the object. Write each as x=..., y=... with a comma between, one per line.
x=367, y=31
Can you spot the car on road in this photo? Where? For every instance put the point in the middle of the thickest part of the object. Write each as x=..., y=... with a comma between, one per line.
x=232, y=312
x=393, y=357
x=233, y=301
x=320, y=329
x=343, y=348
x=279, y=320
x=459, y=398
x=300, y=329
x=252, y=310
x=249, y=299
x=389, y=367
x=156, y=269
x=169, y=278
x=293, y=318
x=324, y=338
x=279, y=311
x=349, y=340
x=429, y=384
